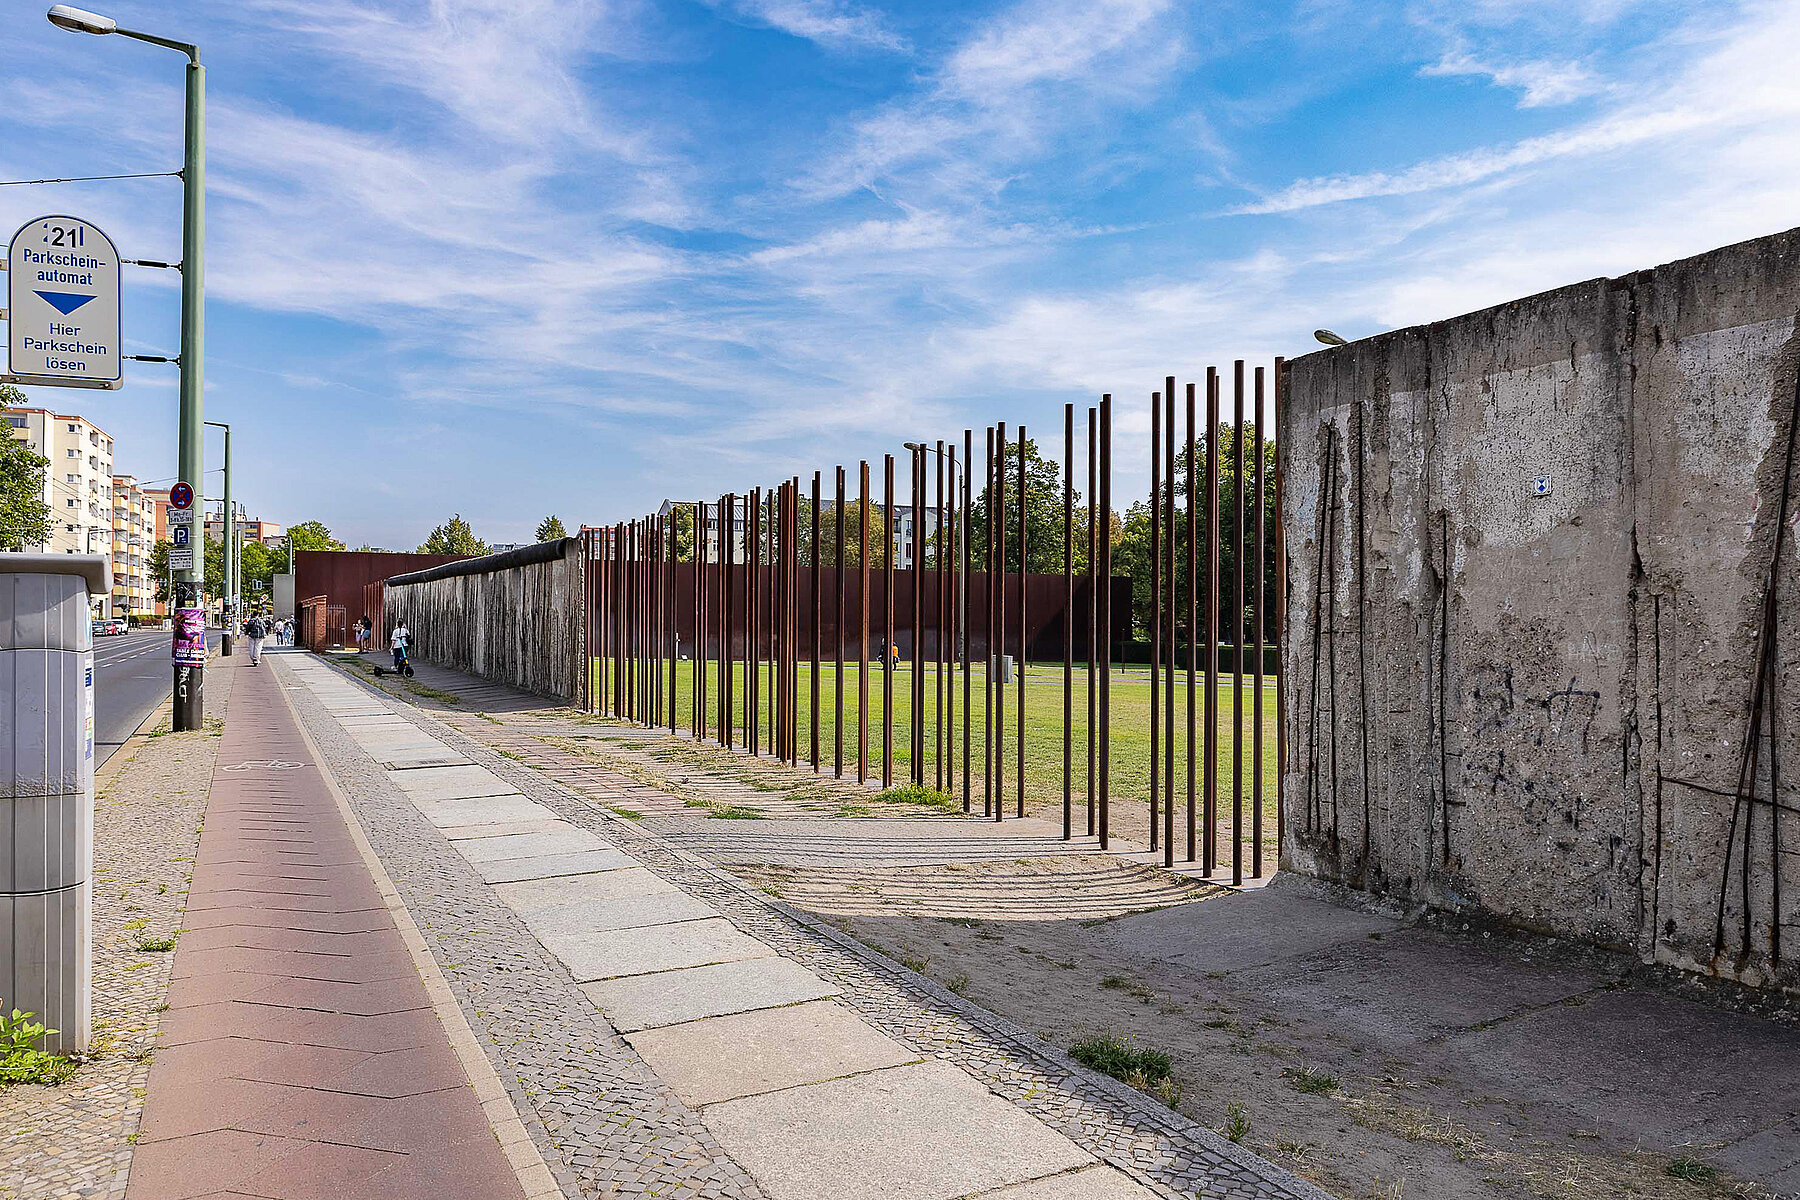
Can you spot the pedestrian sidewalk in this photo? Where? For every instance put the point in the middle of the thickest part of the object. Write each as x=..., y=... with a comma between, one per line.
x=303, y=1053
x=757, y=1056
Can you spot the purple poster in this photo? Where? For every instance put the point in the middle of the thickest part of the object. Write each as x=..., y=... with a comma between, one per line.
x=190, y=636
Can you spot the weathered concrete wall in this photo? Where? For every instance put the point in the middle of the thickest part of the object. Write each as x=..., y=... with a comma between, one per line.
x=515, y=618
x=1527, y=553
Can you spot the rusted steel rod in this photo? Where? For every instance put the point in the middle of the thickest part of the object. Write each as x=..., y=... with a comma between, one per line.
x=1106, y=618
x=1093, y=606
x=887, y=627
x=988, y=674
x=862, y=660
x=1169, y=690
x=1211, y=815
x=918, y=613
x=937, y=659
x=1237, y=629
x=753, y=590
x=1156, y=609
x=999, y=518
x=672, y=619
x=727, y=617
x=698, y=653
x=1280, y=632
x=1068, y=622
x=818, y=618
x=946, y=551
x=838, y=655
x=1193, y=611
x=962, y=600
x=1024, y=627
x=1256, y=712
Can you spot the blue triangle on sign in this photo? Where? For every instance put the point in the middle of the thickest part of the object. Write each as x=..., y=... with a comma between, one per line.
x=64, y=302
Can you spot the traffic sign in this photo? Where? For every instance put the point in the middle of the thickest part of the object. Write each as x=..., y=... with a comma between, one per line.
x=181, y=496
x=179, y=535
x=62, y=297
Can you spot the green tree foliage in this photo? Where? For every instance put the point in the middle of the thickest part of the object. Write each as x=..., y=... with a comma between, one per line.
x=159, y=571
x=24, y=516
x=261, y=564
x=311, y=535
x=1131, y=551
x=454, y=537
x=1043, y=516
x=879, y=541
x=551, y=529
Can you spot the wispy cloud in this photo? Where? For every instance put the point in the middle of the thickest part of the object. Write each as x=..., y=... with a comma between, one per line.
x=1542, y=82
x=827, y=22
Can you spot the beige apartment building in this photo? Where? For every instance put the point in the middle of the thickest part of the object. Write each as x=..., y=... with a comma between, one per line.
x=78, y=483
x=133, y=539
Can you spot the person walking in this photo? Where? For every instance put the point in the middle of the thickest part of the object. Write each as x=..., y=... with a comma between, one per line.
x=400, y=643
x=256, y=631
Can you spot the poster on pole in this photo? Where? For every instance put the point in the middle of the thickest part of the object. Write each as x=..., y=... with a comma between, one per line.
x=190, y=637
x=62, y=302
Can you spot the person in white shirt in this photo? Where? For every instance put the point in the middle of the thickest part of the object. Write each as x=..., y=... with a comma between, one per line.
x=400, y=643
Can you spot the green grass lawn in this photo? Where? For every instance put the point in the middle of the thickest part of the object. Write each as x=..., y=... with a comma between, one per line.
x=1130, y=734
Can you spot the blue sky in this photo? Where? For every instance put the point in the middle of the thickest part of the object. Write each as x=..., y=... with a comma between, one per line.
x=554, y=255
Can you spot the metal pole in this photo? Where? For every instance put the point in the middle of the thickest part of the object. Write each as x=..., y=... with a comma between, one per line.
x=862, y=662
x=1023, y=632
x=230, y=548
x=1193, y=612
x=1106, y=618
x=1169, y=691
x=1156, y=622
x=937, y=659
x=1068, y=621
x=992, y=655
x=918, y=614
x=1210, y=816
x=887, y=640
x=818, y=571
x=190, y=679
x=727, y=620
x=962, y=601
x=1256, y=715
x=1093, y=604
x=999, y=513
x=1237, y=628
x=838, y=640
x=698, y=656
x=753, y=625
x=1280, y=631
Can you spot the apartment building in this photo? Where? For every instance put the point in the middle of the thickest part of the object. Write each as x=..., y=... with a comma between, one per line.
x=133, y=539
x=77, y=484
x=269, y=533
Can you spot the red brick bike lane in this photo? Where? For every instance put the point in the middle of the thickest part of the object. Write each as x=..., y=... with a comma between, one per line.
x=300, y=1056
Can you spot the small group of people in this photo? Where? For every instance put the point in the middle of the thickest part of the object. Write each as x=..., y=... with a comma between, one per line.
x=399, y=642
x=259, y=628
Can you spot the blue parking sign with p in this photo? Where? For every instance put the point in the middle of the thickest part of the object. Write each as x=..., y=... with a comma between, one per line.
x=179, y=535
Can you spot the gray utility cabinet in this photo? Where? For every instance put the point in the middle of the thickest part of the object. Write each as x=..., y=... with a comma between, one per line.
x=47, y=788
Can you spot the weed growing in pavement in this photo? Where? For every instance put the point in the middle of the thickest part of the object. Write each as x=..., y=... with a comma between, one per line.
x=1690, y=1169
x=1313, y=1083
x=630, y=814
x=1237, y=1122
x=495, y=720
x=925, y=797
x=157, y=945
x=959, y=983
x=431, y=693
x=913, y=962
x=1147, y=1070
x=737, y=812
x=21, y=1061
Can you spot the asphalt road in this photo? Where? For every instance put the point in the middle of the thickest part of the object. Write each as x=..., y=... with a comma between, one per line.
x=132, y=675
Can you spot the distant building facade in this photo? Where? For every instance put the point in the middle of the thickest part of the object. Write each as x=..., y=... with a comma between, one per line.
x=133, y=540
x=77, y=483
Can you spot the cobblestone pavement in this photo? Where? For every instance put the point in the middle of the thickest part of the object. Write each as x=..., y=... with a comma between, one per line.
x=1117, y=1124
x=74, y=1140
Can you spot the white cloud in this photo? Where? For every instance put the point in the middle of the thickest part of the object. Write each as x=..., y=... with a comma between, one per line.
x=827, y=22
x=1543, y=82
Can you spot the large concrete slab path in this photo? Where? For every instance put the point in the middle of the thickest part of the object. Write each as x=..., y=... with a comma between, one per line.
x=302, y=1054
x=734, y=1012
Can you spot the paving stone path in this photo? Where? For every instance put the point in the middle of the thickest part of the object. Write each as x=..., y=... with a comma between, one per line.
x=742, y=1048
x=301, y=1055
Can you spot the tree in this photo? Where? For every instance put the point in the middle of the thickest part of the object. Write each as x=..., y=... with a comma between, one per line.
x=551, y=529
x=311, y=535
x=1131, y=551
x=879, y=540
x=454, y=537
x=24, y=516
x=1043, y=517
x=159, y=570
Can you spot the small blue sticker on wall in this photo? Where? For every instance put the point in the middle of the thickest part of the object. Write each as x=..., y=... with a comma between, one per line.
x=1540, y=486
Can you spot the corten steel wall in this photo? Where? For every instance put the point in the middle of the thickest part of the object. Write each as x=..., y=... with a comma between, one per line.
x=340, y=575
x=1545, y=534
x=515, y=617
x=1045, y=593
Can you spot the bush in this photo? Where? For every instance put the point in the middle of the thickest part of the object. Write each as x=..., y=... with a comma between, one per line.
x=20, y=1059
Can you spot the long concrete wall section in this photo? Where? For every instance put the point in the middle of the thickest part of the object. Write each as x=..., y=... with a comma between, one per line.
x=514, y=618
x=1528, y=551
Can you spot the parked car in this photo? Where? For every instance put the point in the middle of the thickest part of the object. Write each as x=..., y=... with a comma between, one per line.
x=109, y=628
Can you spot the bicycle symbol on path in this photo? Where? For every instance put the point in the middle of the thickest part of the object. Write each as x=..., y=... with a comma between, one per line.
x=270, y=764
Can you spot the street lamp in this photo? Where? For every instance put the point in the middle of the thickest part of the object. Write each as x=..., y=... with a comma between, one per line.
x=230, y=604
x=1327, y=338
x=190, y=678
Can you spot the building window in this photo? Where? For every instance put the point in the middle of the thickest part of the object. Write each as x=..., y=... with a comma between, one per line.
x=70, y=503
x=16, y=422
x=74, y=454
x=74, y=428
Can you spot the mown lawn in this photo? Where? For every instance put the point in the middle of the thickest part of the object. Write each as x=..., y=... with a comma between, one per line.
x=1129, y=742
